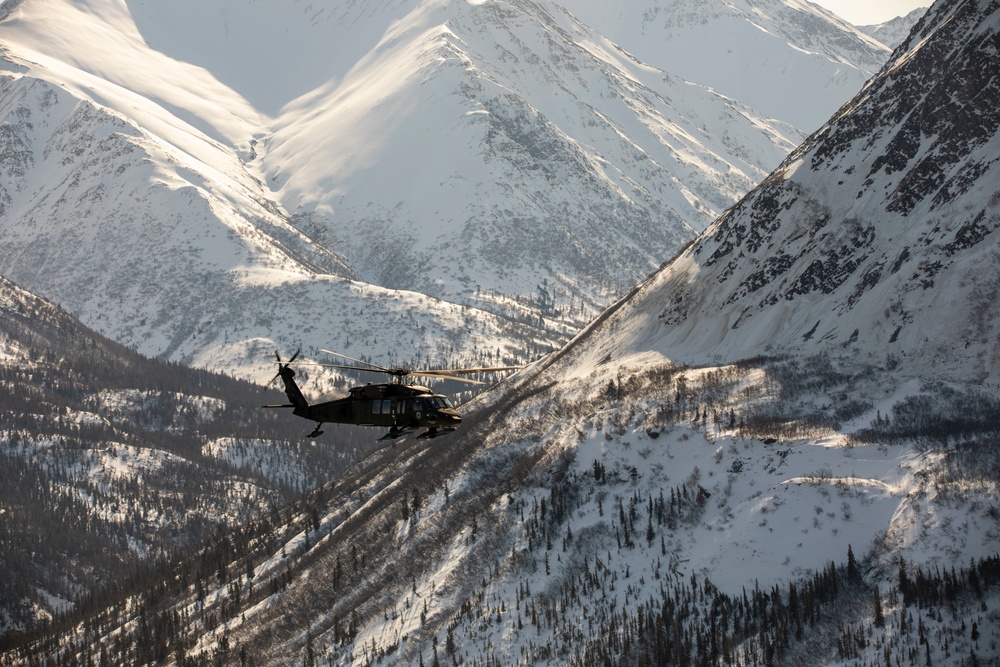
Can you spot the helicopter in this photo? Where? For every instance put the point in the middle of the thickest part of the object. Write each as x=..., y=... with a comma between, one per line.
x=401, y=407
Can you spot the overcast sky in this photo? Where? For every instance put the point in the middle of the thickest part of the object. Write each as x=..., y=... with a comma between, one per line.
x=867, y=12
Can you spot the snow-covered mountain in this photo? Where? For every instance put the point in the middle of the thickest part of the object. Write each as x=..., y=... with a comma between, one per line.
x=816, y=497
x=894, y=31
x=208, y=180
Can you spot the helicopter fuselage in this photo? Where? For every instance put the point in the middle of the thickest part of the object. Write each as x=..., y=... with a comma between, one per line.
x=388, y=405
x=399, y=407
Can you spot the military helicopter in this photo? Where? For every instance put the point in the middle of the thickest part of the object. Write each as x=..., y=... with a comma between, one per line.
x=397, y=405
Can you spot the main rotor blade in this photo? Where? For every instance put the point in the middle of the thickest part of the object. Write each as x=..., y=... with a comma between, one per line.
x=448, y=372
x=440, y=376
x=358, y=361
x=344, y=366
x=440, y=373
x=454, y=373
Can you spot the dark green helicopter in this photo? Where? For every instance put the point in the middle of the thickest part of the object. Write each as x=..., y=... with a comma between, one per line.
x=396, y=405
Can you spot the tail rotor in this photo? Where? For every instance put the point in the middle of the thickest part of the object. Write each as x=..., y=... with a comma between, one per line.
x=287, y=375
x=283, y=365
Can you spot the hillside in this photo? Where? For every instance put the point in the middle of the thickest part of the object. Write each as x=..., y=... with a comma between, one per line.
x=632, y=499
x=113, y=462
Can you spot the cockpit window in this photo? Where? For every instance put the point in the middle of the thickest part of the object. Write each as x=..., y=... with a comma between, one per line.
x=441, y=402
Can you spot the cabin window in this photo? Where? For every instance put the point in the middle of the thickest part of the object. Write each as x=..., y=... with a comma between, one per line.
x=440, y=402
x=376, y=407
x=387, y=407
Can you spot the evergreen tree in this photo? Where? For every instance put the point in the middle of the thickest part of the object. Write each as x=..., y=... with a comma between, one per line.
x=879, y=617
x=853, y=572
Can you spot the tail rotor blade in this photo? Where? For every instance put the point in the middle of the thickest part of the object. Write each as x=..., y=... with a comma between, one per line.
x=278, y=374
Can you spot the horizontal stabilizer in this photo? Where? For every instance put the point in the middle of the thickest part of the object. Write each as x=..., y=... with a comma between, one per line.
x=287, y=405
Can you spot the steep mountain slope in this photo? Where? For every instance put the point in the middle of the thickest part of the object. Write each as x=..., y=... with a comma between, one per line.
x=198, y=179
x=624, y=501
x=111, y=461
